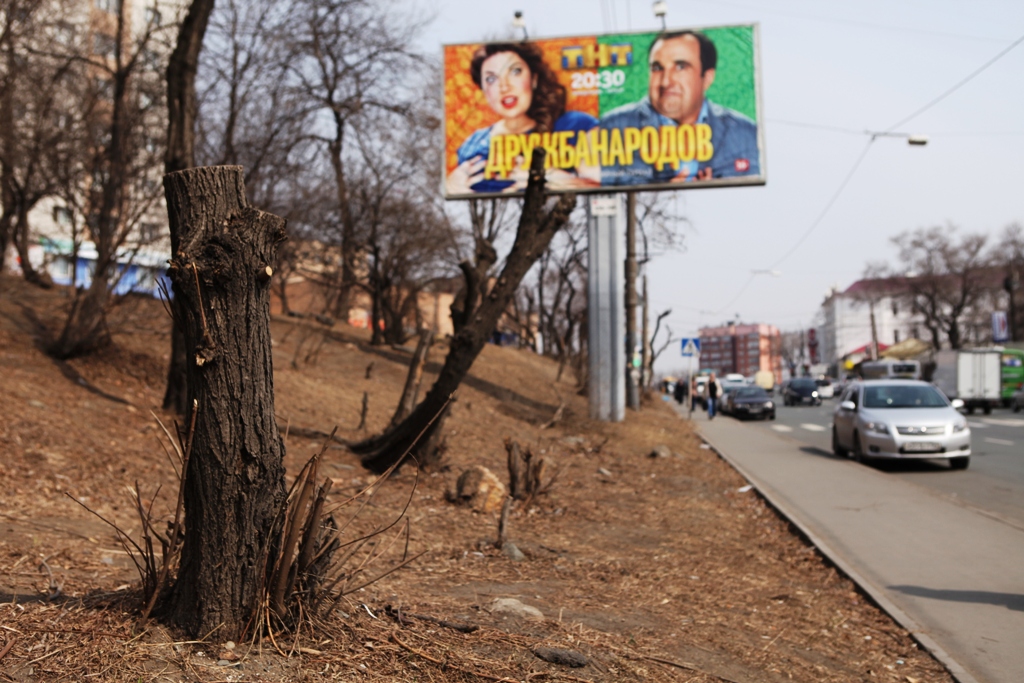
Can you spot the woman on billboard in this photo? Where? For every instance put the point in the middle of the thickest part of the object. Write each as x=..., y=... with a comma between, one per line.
x=523, y=90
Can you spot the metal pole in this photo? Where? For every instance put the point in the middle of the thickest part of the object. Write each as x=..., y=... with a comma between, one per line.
x=632, y=390
x=646, y=371
x=606, y=352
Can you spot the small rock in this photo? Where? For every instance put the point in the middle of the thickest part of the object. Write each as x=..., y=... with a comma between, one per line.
x=223, y=662
x=557, y=655
x=228, y=655
x=515, y=608
x=661, y=451
x=481, y=489
x=573, y=440
x=512, y=552
x=603, y=472
x=37, y=404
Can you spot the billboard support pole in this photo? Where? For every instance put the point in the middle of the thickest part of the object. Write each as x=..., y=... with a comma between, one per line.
x=632, y=385
x=605, y=323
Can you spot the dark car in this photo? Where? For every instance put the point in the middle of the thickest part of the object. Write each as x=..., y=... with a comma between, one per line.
x=728, y=388
x=801, y=391
x=753, y=402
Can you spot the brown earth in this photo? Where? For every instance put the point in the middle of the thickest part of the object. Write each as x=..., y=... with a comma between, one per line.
x=661, y=569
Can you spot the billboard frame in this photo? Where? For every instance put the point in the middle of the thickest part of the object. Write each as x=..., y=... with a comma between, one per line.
x=741, y=181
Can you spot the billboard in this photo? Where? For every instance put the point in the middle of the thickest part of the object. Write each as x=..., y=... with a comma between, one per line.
x=635, y=111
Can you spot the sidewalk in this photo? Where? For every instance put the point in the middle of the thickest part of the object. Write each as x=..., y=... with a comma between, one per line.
x=951, y=576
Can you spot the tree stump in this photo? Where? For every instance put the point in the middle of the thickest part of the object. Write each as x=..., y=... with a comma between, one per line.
x=234, y=486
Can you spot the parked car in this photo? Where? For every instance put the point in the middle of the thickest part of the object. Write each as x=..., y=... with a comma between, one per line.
x=730, y=385
x=900, y=419
x=752, y=402
x=801, y=391
x=825, y=387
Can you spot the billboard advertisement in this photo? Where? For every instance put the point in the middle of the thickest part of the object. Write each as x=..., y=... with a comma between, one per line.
x=636, y=111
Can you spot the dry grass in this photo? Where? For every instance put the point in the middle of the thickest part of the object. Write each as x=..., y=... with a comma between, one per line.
x=661, y=570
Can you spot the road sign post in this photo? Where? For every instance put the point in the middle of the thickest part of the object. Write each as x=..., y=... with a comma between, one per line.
x=689, y=347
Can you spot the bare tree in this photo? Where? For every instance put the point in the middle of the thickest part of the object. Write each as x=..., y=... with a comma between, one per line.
x=943, y=278
x=539, y=221
x=125, y=67
x=405, y=242
x=1008, y=255
x=42, y=108
x=656, y=350
x=349, y=59
x=182, y=109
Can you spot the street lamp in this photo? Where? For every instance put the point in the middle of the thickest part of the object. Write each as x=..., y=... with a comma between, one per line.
x=915, y=139
x=660, y=10
x=519, y=22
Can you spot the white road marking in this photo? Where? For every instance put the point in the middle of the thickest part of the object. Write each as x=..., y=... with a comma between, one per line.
x=812, y=427
x=998, y=442
x=1003, y=422
x=977, y=425
x=782, y=428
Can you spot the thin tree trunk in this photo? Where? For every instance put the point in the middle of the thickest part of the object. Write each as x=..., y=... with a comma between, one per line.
x=415, y=376
x=181, y=115
x=22, y=239
x=536, y=228
x=234, y=486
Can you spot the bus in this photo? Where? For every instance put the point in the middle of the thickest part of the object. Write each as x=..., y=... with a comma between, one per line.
x=1012, y=373
x=890, y=369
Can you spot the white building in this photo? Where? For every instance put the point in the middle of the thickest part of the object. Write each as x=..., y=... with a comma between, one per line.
x=846, y=326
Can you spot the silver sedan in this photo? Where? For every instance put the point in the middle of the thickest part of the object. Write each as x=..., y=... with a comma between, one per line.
x=900, y=419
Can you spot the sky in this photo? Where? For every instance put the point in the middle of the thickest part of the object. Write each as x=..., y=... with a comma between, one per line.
x=856, y=66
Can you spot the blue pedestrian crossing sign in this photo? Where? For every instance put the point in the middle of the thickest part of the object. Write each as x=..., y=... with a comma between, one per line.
x=691, y=346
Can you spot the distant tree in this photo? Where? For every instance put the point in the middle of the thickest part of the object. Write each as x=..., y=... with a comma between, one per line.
x=404, y=241
x=1008, y=255
x=944, y=277
x=350, y=61
x=124, y=67
x=43, y=105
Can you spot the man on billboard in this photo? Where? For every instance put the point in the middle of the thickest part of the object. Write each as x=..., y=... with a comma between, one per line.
x=712, y=141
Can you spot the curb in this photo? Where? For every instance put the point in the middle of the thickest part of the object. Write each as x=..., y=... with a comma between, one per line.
x=874, y=592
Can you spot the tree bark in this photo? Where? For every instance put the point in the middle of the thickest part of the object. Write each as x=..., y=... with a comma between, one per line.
x=181, y=115
x=234, y=486
x=536, y=228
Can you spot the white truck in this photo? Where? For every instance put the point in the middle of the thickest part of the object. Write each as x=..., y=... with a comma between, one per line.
x=972, y=375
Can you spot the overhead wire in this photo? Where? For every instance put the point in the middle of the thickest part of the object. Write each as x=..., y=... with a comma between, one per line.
x=853, y=169
x=960, y=84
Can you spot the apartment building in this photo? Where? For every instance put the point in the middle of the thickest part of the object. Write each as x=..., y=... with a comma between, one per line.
x=741, y=348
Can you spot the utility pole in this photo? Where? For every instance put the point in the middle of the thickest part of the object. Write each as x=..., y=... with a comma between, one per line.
x=632, y=388
x=874, y=333
x=646, y=371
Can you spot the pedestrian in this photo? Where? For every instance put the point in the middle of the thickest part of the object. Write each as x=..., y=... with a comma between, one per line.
x=714, y=391
x=679, y=393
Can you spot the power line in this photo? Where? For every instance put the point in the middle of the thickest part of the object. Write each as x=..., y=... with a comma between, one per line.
x=956, y=87
x=854, y=131
x=855, y=22
x=863, y=154
x=824, y=211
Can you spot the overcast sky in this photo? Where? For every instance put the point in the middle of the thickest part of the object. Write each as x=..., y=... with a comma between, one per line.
x=862, y=65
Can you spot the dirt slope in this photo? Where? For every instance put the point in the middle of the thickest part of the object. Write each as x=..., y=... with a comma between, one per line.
x=653, y=568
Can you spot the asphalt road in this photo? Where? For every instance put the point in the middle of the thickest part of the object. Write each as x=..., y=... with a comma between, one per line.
x=993, y=484
x=940, y=550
